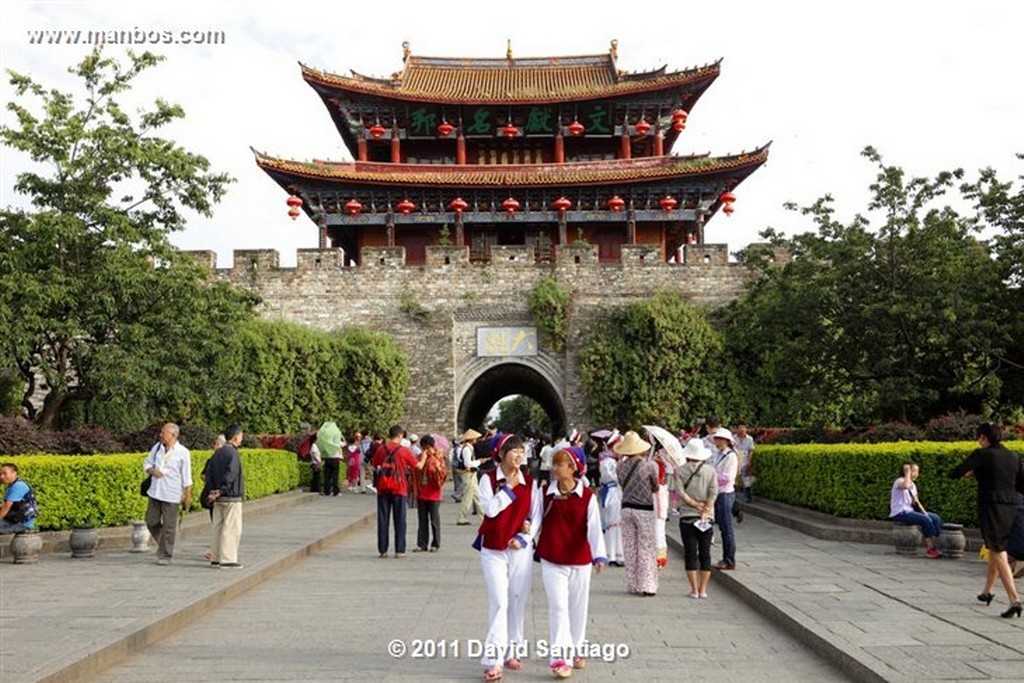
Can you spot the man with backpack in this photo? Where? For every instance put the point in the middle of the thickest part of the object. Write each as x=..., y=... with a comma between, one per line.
x=19, y=510
x=390, y=462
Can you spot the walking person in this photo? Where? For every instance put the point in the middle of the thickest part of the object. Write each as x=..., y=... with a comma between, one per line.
x=745, y=449
x=726, y=464
x=696, y=482
x=227, y=491
x=331, y=445
x=570, y=545
x=611, y=502
x=169, y=464
x=997, y=471
x=504, y=541
x=470, y=465
x=638, y=479
x=432, y=477
x=390, y=463
x=353, y=463
x=906, y=508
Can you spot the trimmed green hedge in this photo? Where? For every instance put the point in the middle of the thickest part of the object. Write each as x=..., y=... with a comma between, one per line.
x=854, y=480
x=103, y=490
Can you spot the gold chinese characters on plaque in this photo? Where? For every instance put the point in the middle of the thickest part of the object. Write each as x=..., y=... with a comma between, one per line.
x=506, y=341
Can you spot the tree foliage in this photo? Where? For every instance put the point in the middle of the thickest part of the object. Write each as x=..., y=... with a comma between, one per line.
x=549, y=303
x=895, y=315
x=87, y=275
x=521, y=414
x=658, y=359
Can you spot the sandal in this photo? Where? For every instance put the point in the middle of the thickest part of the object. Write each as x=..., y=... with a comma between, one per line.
x=514, y=664
x=578, y=662
x=560, y=669
x=492, y=674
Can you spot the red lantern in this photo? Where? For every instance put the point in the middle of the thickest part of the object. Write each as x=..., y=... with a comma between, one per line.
x=642, y=127
x=353, y=207
x=294, y=202
x=727, y=209
x=509, y=131
x=377, y=131
x=405, y=207
x=576, y=129
x=616, y=203
x=668, y=203
x=679, y=117
x=561, y=204
x=510, y=205
x=727, y=198
x=445, y=129
x=458, y=205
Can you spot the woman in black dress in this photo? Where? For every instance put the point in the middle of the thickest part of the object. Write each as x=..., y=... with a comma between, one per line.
x=995, y=468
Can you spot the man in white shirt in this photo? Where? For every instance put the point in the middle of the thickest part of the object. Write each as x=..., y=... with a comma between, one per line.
x=170, y=466
x=470, y=492
x=745, y=449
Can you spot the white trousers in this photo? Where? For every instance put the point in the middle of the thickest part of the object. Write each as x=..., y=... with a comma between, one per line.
x=613, y=525
x=508, y=575
x=568, y=590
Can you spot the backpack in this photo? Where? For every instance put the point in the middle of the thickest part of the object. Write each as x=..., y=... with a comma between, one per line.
x=457, y=462
x=388, y=474
x=23, y=510
x=436, y=476
x=306, y=445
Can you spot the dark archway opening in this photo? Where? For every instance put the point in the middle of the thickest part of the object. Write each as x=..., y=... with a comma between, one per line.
x=507, y=380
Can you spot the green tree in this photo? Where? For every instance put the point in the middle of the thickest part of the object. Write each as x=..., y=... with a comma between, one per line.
x=521, y=412
x=658, y=359
x=87, y=276
x=892, y=316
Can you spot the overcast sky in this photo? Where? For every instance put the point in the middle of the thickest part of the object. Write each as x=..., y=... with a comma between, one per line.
x=932, y=85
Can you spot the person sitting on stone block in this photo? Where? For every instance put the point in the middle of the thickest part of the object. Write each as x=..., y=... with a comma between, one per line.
x=906, y=508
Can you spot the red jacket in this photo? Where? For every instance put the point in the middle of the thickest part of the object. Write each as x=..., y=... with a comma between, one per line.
x=404, y=459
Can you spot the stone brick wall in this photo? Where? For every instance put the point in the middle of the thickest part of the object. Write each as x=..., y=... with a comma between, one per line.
x=460, y=296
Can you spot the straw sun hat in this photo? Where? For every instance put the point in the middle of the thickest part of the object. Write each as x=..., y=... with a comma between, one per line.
x=631, y=444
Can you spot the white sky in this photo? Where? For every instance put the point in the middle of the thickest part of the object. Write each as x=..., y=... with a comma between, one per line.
x=933, y=85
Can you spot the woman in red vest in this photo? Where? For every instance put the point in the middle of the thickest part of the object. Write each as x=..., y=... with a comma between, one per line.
x=570, y=542
x=504, y=541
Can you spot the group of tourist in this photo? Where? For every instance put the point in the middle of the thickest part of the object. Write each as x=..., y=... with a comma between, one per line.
x=1000, y=476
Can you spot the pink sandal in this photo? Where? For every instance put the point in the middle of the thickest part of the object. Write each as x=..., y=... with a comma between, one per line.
x=514, y=664
x=560, y=669
x=492, y=674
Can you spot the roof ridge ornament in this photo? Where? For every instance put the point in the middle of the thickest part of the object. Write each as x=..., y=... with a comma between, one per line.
x=406, y=51
x=614, y=51
x=508, y=51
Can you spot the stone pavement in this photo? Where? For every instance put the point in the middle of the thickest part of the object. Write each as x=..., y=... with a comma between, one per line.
x=315, y=603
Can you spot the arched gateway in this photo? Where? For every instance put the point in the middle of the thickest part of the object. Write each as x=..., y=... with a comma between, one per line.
x=481, y=382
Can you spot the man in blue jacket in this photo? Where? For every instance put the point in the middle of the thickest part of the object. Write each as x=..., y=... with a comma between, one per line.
x=227, y=491
x=18, y=511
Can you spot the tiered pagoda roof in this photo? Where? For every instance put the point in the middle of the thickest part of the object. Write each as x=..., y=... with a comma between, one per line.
x=512, y=81
x=617, y=171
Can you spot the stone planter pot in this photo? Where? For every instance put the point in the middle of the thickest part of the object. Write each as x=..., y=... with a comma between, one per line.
x=140, y=537
x=83, y=542
x=907, y=538
x=952, y=541
x=25, y=547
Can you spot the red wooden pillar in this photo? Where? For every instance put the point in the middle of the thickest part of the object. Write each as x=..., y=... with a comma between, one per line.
x=460, y=148
x=659, y=143
x=396, y=147
x=361, y=154
x=624, y=151
x=559, y=147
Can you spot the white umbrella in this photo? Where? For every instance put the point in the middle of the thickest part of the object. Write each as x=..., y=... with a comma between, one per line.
x=669, y=442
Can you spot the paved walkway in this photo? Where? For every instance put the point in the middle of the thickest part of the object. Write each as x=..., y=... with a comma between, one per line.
x=315, y=603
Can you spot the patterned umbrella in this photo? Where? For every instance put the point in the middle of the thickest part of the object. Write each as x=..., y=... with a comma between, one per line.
x=670, y=443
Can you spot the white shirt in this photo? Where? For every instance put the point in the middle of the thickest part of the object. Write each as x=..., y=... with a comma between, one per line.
x=469, y=460
x=176, y=466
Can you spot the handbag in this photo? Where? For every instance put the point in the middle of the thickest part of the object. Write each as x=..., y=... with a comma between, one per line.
x=144, y=486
